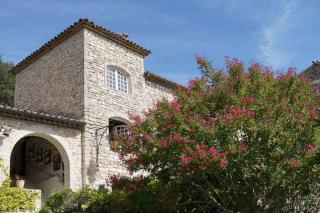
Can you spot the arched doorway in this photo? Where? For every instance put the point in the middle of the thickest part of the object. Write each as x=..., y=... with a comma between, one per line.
x=40, y=163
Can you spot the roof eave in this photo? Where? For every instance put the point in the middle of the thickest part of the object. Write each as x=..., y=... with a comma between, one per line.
x=71, y=30
x=12, y=112
x=161, y=80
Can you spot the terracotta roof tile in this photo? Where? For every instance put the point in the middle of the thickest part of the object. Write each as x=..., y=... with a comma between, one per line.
x=121, y=39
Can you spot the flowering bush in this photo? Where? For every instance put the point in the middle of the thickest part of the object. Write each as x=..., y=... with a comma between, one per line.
x=240, y=140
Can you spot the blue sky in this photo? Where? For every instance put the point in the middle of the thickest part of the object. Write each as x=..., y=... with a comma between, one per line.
x=279, y=33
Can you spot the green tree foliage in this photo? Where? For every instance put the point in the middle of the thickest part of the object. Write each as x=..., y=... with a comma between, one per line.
x=7, y=83
x=234, y=141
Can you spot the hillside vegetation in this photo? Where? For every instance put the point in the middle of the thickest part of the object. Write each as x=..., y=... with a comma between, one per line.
x=7, y=82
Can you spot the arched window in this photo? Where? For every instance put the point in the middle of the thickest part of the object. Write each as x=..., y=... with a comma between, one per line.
x=116, y=128
x=117, y=80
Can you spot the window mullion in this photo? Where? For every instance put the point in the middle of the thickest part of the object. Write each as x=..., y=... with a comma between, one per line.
x=116, y=75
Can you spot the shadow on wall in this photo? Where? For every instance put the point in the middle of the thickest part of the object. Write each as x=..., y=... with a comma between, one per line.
x=1, y=140
x=92, y=171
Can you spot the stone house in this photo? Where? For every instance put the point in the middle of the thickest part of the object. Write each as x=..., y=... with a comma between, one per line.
x=71, y=94
x=312, y=73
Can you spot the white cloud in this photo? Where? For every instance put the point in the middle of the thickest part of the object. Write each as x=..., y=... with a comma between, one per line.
x=273, y=52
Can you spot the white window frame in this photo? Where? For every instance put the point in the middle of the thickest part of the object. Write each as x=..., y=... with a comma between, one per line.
x=120, y=81
x=121, y=129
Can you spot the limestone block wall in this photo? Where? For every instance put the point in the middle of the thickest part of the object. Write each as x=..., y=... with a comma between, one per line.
x=66, y=140
x=102, y=103
x=54, y=83
x=155, y=92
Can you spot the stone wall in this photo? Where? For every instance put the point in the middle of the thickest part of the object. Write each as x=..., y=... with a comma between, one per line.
x=66, y=140
x=54, y=83
x=155, y=92
x=102, y=103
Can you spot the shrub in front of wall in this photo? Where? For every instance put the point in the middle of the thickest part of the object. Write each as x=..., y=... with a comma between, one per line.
x=60, y=201
x=67, y=200
x=86, y=199
x=12, y=198
x=108, y=202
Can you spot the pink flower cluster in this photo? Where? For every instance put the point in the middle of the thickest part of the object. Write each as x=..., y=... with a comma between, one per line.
x=223, y=162
x=147, y=136
x=202, y=120
x=191, y=84
x=294, y=163
x=234, y=113
x=246, y=100
x=175, y=105
x=148, y=111
x=242, y=146
x=233, y=62
x=137, y=119
x=173, y=138
x=205, y=156
x=255, y=65
x=130, y=162
x=266, y=70
x=202, y=150
x=310, y=147
x=167, y=114
x=300, y=117
x=176, y=137
x=113, y=180
x=214, y=152
x=199, y=60
x=313, y=112
x=185, y=159
x=163, y=143
x=287, y=74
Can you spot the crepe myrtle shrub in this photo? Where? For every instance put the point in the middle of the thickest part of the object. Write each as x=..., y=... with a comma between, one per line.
x=239, y=140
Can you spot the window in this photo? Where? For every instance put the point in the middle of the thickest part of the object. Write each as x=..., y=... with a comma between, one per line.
x=117, y=80
x=118, y=127
x=121, y=129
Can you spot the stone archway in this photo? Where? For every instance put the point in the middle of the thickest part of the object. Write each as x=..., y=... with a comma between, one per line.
x=43, y=161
